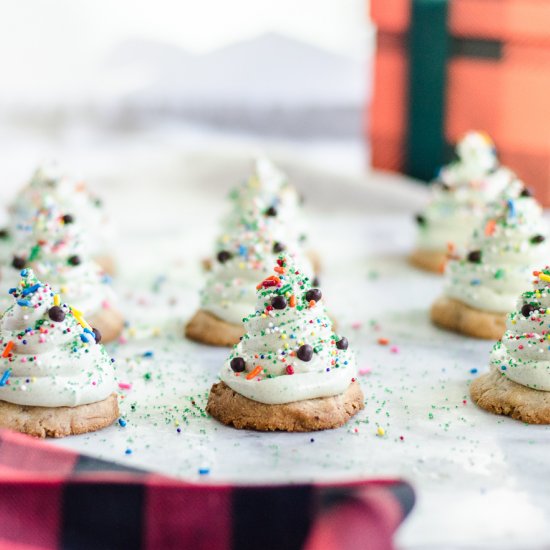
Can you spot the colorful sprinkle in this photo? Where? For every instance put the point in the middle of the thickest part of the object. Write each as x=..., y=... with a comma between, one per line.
x=252, y=374
x=4, y=379
x=490, y=227
x=7, y=350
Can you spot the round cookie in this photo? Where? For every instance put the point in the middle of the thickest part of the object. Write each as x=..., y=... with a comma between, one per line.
x=498, y=394
x=209, y=329
x=59, y=421
x=458, y=317
x=321, y=413
x=109, y=322
x=429, y=260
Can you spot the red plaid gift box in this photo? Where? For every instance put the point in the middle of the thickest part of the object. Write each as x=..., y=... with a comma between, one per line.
x=444, y=67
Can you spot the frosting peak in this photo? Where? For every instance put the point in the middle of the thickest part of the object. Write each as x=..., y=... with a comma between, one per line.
x=48, y=186
x=476, y=158
x=266, y=185
x=56, y=250
x=268, y=190
x=461, y=193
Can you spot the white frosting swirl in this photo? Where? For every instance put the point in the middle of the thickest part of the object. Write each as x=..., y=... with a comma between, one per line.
x=476, y=159
x=274, y=373
x=50, y=186
x=511, y=241
x=57, y=252
x=461, y=193
x=45, y=362
x=523, y=355
x=266, y=188
x=250, y=252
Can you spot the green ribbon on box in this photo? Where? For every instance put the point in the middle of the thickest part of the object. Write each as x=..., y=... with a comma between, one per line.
x=428, y=55
x=430, y=48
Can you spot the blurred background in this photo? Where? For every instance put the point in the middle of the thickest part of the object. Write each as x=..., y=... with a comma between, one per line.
x=94, y=84
x=171, y=100
x=105, y=84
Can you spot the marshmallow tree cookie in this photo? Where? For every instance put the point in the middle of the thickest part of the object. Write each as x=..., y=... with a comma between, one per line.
x=56, y=378
x=229, y=293
x=482, y=287
x=460, y=195
x=55, y=247
x=518, y=382
x=50, y=185
x=290, y=371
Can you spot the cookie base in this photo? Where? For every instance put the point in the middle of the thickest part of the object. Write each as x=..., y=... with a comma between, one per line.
x=59, y=421
x=500, y=395
x=109, y=322
x=456, y=316
x=209, y=329
x=309, y=415
x=429, y=260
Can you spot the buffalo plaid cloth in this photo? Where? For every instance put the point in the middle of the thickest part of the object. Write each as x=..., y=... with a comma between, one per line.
x=53, y=498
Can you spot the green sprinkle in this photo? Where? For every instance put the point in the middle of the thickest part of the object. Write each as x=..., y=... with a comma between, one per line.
x=284, y=289
x=35, y=250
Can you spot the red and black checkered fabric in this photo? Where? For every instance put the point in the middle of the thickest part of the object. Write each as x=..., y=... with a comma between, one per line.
x=53, y=498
